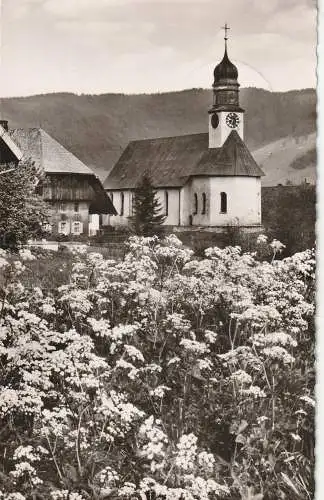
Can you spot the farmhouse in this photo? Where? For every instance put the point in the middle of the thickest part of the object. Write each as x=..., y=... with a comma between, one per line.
x=203, y=180
x=75, y=194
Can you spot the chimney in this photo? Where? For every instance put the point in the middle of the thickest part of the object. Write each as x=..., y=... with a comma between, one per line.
x=4, y=124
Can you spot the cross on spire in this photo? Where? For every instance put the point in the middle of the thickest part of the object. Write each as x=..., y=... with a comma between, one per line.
x=225, y=28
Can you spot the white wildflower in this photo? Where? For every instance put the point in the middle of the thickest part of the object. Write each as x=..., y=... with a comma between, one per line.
x=277, y=246
x=274, y=338
x=206, y=460
x=255, y=391
x=277, y=353
x=14, y=496
x=261, y=239
x=134, y=353
x=25, y=254
x=205, y=364
x=154, y=441
x=187, y=449
x=126, y=490
x=210, y=336
x=310, y=401
x=107, y=477
x=241, y=377
x=295, y=437
x=300, y=412
x=3, y=262
x=159, y=391
x=194, y=347
x=173, y=361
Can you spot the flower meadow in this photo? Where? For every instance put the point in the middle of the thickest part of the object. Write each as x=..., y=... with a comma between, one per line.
x=159, y=376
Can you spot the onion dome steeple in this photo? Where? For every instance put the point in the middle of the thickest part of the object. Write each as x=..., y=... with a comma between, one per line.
x=226, y=86
x=225, y=70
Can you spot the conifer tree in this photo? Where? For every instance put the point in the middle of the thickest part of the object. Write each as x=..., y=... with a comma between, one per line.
x=147, y=211
x=22, y=211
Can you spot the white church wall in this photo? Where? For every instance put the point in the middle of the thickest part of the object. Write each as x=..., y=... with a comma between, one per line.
x=243, y=203
x=125, y=208
x=169, y=197
x=243, y=200
x=185, y=205
x=122, y=201
x=200, y=188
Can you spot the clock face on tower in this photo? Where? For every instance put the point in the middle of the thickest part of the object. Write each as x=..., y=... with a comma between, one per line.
x=232, y=120
x=214, y=120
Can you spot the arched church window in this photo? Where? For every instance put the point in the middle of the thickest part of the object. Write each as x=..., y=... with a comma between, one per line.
x=223, y=200
x=166, y=203
x=131, y=204
x=195, y=204
x=122, y=203
x=204, y=203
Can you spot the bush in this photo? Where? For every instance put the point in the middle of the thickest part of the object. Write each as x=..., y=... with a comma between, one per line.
x=191, y=379
x=289, y=215
x=22, y=212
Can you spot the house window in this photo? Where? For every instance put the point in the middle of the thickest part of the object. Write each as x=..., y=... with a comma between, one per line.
x=76, y=207
x=195, y=203
x=39, y=189
x=63, y=227
x=223, y=200
x=77, y=227
x=166, y=203
x=204, y=202
x=47, y=228
x=62, y=207
x=122, y=203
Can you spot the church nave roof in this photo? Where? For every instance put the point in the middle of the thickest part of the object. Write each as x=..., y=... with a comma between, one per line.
x=170, y=161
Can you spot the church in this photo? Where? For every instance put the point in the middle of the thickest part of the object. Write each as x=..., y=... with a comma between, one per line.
x=206, y=180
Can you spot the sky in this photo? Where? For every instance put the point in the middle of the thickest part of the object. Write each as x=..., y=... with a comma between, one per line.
x=136, y=46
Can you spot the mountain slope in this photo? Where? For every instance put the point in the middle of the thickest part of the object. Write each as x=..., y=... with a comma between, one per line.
x=288, y=160
x=96, y=128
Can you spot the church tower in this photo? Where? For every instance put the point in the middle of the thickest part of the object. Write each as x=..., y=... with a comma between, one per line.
x=226, y=114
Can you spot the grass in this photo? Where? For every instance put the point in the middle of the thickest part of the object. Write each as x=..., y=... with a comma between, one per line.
x=49, y=270
x=52, y=269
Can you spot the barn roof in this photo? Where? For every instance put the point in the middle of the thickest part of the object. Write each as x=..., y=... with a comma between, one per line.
x=46, y=152
x=52, y=158
x=5, y=136
x=170, y=161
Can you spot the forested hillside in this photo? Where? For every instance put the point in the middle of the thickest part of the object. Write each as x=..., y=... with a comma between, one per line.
x=290, y=160
x=97, y=127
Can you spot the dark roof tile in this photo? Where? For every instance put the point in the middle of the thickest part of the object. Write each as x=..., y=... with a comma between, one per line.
x=52, y=158
x=46, y=152
x=168, y=160
x=232, y=159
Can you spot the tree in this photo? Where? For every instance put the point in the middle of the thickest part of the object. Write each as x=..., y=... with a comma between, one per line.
x=292, y=217
x=22, y=211
x=147, y=216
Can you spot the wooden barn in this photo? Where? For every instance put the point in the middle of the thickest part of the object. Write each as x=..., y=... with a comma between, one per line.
x=74, y=192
